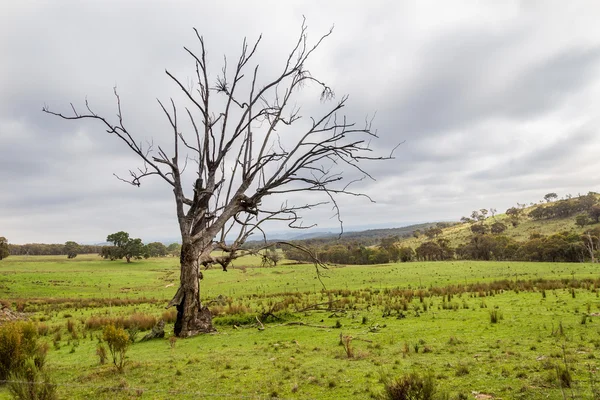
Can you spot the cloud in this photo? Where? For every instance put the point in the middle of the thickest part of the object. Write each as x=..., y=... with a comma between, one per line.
x=493, y=104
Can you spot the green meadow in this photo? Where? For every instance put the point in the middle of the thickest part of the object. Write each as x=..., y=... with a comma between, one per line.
x=509, y=330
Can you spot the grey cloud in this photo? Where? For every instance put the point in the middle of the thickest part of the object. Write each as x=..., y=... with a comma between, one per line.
x=462, y=89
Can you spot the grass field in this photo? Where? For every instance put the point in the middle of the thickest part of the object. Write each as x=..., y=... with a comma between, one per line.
x=429, y=317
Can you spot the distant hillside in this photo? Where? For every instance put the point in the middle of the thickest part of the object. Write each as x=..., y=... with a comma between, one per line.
x=545, y=219
x=366, y=238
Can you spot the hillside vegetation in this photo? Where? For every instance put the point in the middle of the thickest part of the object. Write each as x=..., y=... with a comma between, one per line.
x=565, y=230
x=525, y=227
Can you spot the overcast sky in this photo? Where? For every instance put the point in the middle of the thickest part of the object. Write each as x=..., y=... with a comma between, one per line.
x=496, y=103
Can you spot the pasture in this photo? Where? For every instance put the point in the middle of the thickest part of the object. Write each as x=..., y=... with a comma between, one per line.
x=504, y=329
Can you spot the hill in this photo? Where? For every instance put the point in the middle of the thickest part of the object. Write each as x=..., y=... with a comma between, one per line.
x=544, y=219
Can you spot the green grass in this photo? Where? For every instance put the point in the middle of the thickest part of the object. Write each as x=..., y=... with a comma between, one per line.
x=513, y=358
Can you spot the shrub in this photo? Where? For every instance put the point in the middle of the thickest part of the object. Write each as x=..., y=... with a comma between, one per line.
x=18, y=342
x=101, y=353
x=29, y=382
x=118, y=343
x=410, y=387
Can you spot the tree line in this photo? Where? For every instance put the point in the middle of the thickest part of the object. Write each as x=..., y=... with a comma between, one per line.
x=123, y=247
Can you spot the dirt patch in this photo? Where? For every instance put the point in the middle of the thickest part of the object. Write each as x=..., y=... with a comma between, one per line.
x=8, y=315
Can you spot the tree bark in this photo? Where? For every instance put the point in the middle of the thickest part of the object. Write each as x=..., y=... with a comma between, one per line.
x=192, y=318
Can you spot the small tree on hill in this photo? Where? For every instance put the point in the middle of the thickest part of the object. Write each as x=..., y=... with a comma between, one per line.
x=582, y=220
x=594, y=213
x=550, y=197
x=479, y=229
x=498, y=228
x=4, y=251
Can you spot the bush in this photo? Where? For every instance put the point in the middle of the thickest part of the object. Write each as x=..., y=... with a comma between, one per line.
x=18, y=342
x=118, y=343
x=410, y=387
x=29, y=382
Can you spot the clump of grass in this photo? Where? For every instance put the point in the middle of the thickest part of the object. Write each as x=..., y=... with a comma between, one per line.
x=565, y=380
x=495, y=316
x=71, y=326
x=43, y=329
x=462, y=370
x=169, y=316
x=140, y=320
x=453, y=341
x=101, y=353
x=347, y=343
x=410, y=387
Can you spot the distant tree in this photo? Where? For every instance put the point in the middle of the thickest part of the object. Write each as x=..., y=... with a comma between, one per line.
x=134, y=248
x=594, y=213
x=118, y=239
x=466, y=220
x=174, y=249
x=417, y=233
x=389, y=245
x=433, y=232
x=125, y=247
x=498, y=228
x=4, y=252
x=406, y=254
x=72, y=249
x=582, y=220
x=110, y=253
x=493, y=212
x=156, y=249
x=483, y=214
x=585, y=203
x=550, y=196
x=479, y=229
x=475, y=215
x=435, y=251
x=270, y=257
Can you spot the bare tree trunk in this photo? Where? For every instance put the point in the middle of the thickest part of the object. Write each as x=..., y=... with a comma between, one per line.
x=192, y=318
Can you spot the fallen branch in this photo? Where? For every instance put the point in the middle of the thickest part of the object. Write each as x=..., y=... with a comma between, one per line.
x=261, y=326
x=300, y=323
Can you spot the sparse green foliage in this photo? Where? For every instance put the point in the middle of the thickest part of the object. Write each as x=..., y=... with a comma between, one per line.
x=118, y=343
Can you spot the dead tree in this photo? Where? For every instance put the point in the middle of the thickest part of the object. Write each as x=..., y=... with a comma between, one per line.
x=241, y=146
